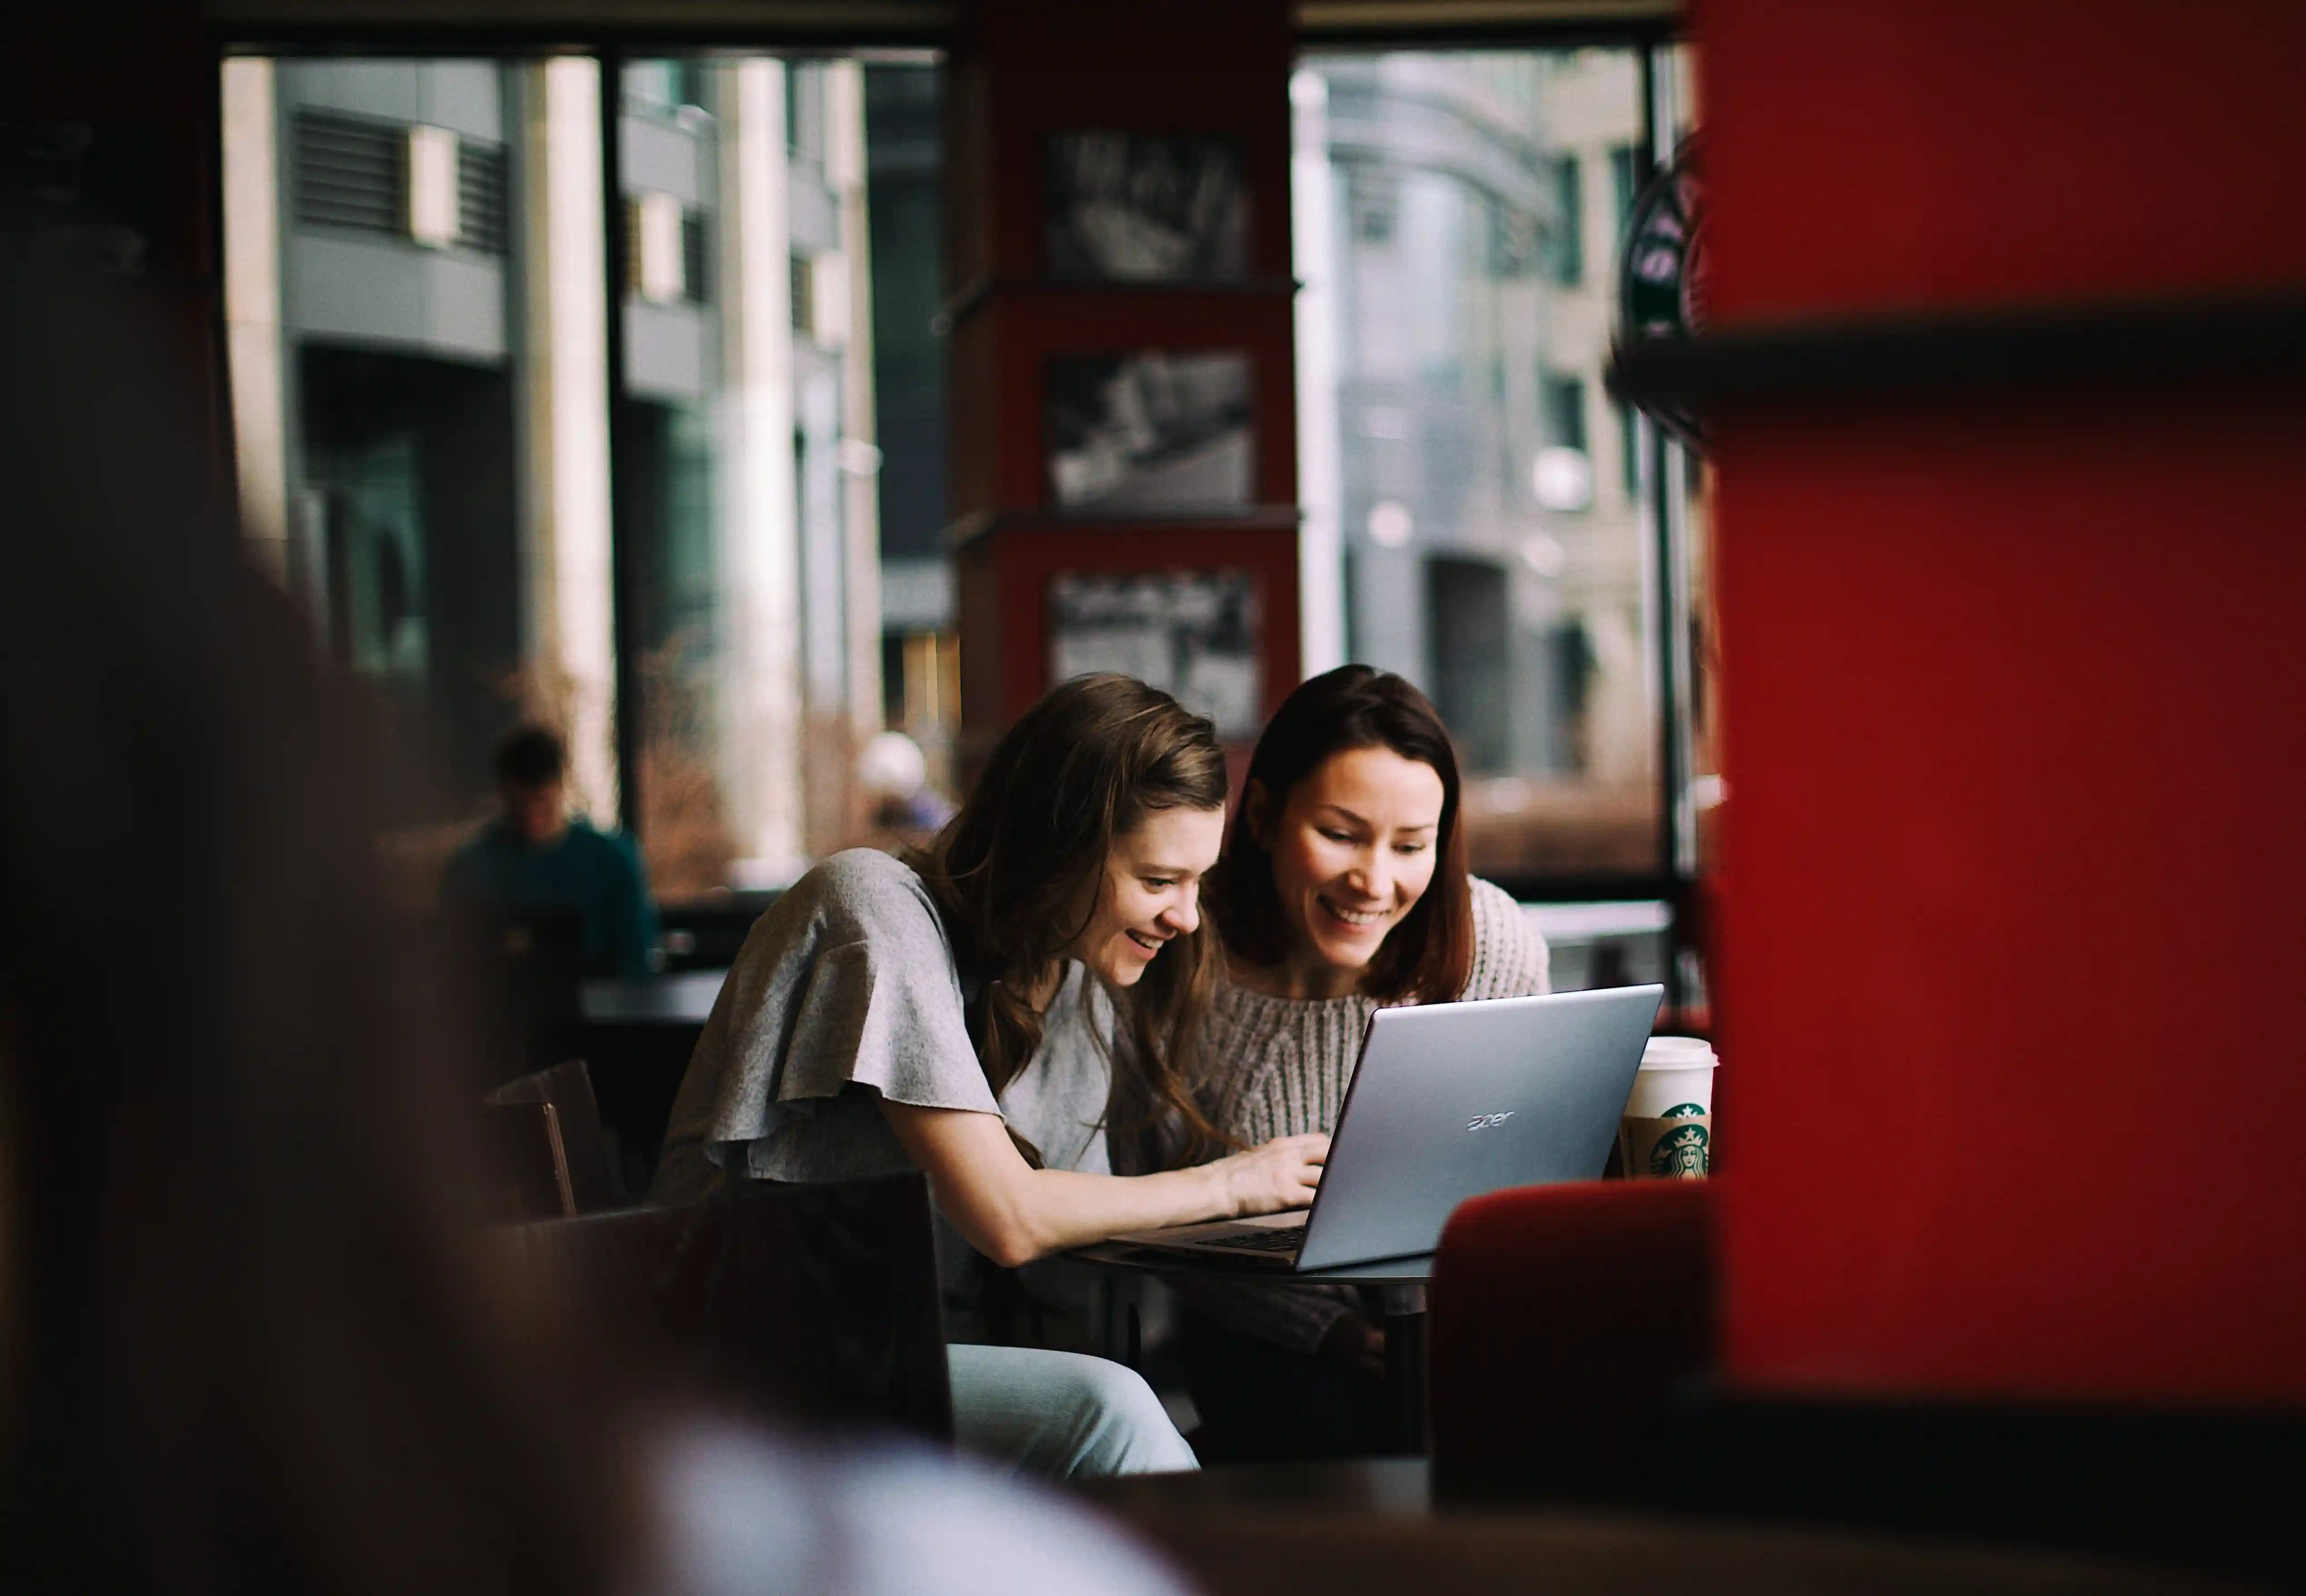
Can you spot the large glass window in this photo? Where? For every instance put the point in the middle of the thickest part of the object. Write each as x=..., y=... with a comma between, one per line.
x=1477, y=518
x=419, y=440
x=543, y=425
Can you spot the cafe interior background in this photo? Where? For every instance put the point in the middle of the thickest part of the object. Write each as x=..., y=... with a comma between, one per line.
x=1892, y=647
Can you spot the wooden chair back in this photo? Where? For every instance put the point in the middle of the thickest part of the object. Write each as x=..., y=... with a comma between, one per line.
x=588, y=1180
x=528, y=1163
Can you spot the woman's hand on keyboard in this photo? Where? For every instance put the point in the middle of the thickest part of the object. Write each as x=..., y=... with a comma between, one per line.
x=1280, y=1174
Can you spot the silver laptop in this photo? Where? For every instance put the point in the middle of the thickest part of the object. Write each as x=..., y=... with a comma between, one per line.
x=1450, y=1101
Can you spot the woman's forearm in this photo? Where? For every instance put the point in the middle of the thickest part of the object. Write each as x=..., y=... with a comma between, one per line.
x=1014, y=1213
x=1063, y=1208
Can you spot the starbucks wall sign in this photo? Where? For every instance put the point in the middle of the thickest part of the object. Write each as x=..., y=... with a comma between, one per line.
x=1662, y=271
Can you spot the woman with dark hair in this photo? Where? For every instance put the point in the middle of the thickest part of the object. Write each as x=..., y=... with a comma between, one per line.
x=1344, y=887
x=249, y=1337
x=951, y=1012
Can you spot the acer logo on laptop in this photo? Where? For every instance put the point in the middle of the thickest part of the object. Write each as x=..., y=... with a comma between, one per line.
x=1483, y=1121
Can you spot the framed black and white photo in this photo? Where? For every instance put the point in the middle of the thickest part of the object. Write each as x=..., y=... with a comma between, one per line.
x=1150, y=434
x=93, y=195
x=1135, y=209
x=1192, y=634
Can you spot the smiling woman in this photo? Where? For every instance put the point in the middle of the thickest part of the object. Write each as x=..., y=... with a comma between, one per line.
x=1151, y=893
x=950, y=1013
x=1352, y=845
x=1344, y=887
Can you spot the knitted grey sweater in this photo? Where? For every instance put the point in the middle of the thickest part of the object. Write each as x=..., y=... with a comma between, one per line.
x=1280, y=1067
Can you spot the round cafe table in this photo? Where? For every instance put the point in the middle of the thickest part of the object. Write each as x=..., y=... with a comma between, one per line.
x=1401, y=1283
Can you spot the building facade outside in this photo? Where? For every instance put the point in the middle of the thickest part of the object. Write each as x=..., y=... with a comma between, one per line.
x=1484, y=504
x=418, y=312
x=418, y=308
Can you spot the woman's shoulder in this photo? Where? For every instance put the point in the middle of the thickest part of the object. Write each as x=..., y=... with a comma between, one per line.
x=857, y=896
x=866, y=893
x=1494, y=908
x=1510, y=957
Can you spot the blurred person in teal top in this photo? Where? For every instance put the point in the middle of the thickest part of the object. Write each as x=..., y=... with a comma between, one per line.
x=536, y=856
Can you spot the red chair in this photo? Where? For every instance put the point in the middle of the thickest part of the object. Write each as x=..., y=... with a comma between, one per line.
x=1562, y=1319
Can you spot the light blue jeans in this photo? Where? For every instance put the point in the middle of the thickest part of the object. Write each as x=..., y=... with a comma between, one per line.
x=1060, y=1414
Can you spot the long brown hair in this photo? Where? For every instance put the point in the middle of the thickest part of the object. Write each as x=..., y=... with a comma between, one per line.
x=1017, y=871
x=1430, y=955
x=251, y=1343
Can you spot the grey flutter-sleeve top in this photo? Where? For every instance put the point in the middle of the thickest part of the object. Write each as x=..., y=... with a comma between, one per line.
x=1280, y=1067
x=846, y=992
x=847, y=980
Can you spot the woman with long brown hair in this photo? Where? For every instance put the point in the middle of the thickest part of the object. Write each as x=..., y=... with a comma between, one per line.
x=1344, y=888
x=953, y=1012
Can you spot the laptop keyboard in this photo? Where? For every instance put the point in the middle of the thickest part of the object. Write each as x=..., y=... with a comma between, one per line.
x=1256, y=1241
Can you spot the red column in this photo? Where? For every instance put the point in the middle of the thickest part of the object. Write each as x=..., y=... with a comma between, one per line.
x=2014, y=693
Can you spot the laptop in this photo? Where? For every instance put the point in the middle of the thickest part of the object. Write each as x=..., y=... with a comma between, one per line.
x=1450, y=1101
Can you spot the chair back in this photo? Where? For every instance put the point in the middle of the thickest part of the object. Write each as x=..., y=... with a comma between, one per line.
x=813, y=1303
x=588, y=1176
x=1563, y=1319
x=527, y=1164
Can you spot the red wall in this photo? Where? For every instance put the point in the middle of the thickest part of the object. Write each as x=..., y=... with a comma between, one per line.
x=1018, y=71
x=1886, y=152
x=2015, y=690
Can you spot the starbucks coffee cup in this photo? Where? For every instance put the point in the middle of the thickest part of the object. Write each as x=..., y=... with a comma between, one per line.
x=1668, y=1130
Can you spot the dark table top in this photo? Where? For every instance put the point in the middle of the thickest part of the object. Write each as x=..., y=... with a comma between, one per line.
x=1368, y=1527
x=1156, y=1260
x=684, y=998
x=1382, y=1486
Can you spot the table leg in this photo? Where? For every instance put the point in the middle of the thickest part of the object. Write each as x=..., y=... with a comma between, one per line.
x=1404, y=1369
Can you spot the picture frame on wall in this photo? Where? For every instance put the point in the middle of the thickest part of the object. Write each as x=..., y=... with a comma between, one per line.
x=1150, y=434
x=1138, y=208
x=93, y=195
x=1195, y=635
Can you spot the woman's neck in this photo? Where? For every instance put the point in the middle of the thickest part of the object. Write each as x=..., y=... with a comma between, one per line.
x=1298, y=978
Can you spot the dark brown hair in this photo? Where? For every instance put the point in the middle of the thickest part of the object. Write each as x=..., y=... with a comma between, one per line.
x=1428, y=956
x=1013, y=869
x=249, y=1343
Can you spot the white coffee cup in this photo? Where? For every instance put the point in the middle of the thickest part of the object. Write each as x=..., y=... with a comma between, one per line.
x=1676, y=1076
x=1667, y=1129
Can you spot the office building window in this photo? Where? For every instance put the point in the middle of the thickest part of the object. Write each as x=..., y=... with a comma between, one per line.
x=1474, y=555
x=1629, y=450
x=1565, y=411
x=1625, y=181
x=1569, y=233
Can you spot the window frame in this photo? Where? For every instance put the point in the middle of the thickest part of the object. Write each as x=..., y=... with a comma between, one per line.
x=907, y=28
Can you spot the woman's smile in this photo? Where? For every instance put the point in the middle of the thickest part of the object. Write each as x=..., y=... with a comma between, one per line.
x=1358, y=918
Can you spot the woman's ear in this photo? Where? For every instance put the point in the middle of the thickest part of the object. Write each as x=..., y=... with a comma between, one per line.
x=1257, y=814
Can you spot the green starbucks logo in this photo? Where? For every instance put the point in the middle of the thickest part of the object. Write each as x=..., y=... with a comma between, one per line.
x=1680, y=1154
x=1684, y=1111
